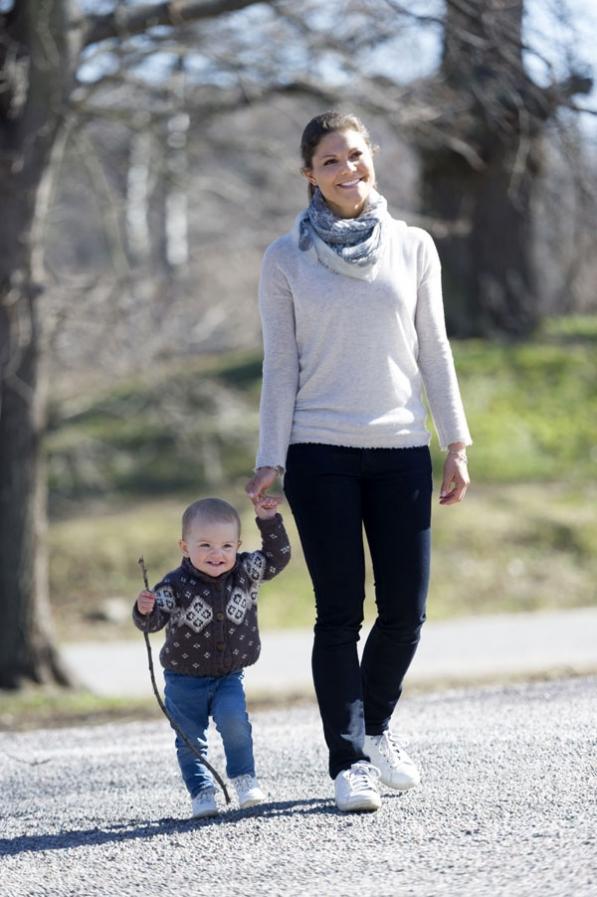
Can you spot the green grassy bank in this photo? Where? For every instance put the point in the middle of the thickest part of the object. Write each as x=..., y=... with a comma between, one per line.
x=191, y=425
x=124, y=463
x=506, y=548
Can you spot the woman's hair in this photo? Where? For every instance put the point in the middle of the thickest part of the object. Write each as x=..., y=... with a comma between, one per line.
x=328, y=123
x=211, y=510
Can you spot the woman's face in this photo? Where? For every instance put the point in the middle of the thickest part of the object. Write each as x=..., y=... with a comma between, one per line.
x=342, y=168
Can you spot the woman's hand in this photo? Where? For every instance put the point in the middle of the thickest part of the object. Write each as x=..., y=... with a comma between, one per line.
x=455, y=480
x=264, y=479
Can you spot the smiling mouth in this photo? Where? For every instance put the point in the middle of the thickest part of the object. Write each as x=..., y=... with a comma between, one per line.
x=348, y=184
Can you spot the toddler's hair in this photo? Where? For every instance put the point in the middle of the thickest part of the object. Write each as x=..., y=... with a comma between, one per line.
x=211, y=510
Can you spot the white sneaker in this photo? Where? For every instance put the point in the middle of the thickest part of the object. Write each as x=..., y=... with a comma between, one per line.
x=396, y=768
x=357, y=788
x=204, y=803
x=248, y=791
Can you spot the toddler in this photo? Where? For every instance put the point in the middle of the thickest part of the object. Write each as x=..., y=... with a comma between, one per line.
x=209, y=606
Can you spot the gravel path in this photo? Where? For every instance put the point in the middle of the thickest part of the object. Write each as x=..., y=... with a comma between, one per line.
x=507, y=807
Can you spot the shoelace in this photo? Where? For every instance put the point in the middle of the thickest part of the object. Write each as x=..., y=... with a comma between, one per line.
x=390, y=748
x=205, y=796
x=245, y=781
x=363, y=776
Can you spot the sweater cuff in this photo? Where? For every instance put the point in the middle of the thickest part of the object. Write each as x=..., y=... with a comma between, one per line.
x=268, y=524
x=142, y=620
x=277, y=467
x=444, y=445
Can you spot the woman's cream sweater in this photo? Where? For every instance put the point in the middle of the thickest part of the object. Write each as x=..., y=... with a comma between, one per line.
x=345, y=360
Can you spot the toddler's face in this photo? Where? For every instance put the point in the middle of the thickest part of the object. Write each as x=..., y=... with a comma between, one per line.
x=211, y=547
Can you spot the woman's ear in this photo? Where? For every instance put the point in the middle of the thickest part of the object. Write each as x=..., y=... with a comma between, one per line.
x=308, y=173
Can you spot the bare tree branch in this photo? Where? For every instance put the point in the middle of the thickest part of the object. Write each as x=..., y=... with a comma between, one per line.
x=131, y=21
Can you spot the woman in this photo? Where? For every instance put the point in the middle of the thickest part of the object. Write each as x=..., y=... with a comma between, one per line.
x=353, y=329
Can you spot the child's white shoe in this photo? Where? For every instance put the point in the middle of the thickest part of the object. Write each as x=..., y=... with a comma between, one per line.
x=204, y=804
x=248, y=791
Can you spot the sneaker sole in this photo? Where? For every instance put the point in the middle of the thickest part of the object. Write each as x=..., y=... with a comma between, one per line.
x=403, y=786
x=251, y=803
x=400, y=787
x=360, y=806
x=205, y=814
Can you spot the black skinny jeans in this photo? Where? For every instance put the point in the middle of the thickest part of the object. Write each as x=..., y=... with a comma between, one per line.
x=334, y=492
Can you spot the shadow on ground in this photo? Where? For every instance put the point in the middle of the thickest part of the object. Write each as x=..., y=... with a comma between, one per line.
x=129, y=831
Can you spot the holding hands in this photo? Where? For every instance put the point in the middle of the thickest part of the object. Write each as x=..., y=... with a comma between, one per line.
x=266, y=506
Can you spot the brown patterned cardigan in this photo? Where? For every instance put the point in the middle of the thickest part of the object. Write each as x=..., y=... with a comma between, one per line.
x=212, y=621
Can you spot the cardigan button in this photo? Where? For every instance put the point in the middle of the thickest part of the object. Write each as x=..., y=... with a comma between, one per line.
x=219, y=616
x=220, y=646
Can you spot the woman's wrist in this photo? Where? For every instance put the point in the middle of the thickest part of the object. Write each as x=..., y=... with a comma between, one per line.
x=457, y=450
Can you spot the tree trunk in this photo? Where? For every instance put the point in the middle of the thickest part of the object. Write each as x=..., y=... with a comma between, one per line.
x=487, y=252
x=487, y=256
x=35, y=70
x=26, y=647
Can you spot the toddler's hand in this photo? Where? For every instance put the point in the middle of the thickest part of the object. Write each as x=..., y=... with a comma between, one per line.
x=145, y=602
x=266, y=507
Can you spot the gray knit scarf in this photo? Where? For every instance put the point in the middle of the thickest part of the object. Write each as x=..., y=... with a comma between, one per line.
x=351, y=246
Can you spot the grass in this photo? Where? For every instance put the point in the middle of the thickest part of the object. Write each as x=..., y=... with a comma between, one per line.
x=521, y=547
x=506, y=548
x=34, y=708
x=192, y=424
x=532, y=409
x=181, y=426
x=125, y=462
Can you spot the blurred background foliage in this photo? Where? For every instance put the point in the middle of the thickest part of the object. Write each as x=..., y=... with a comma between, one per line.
x=123, y=468
x=532, y=407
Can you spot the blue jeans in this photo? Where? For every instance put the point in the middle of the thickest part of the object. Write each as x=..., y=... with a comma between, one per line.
x=334, y=493
x=190, y=701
